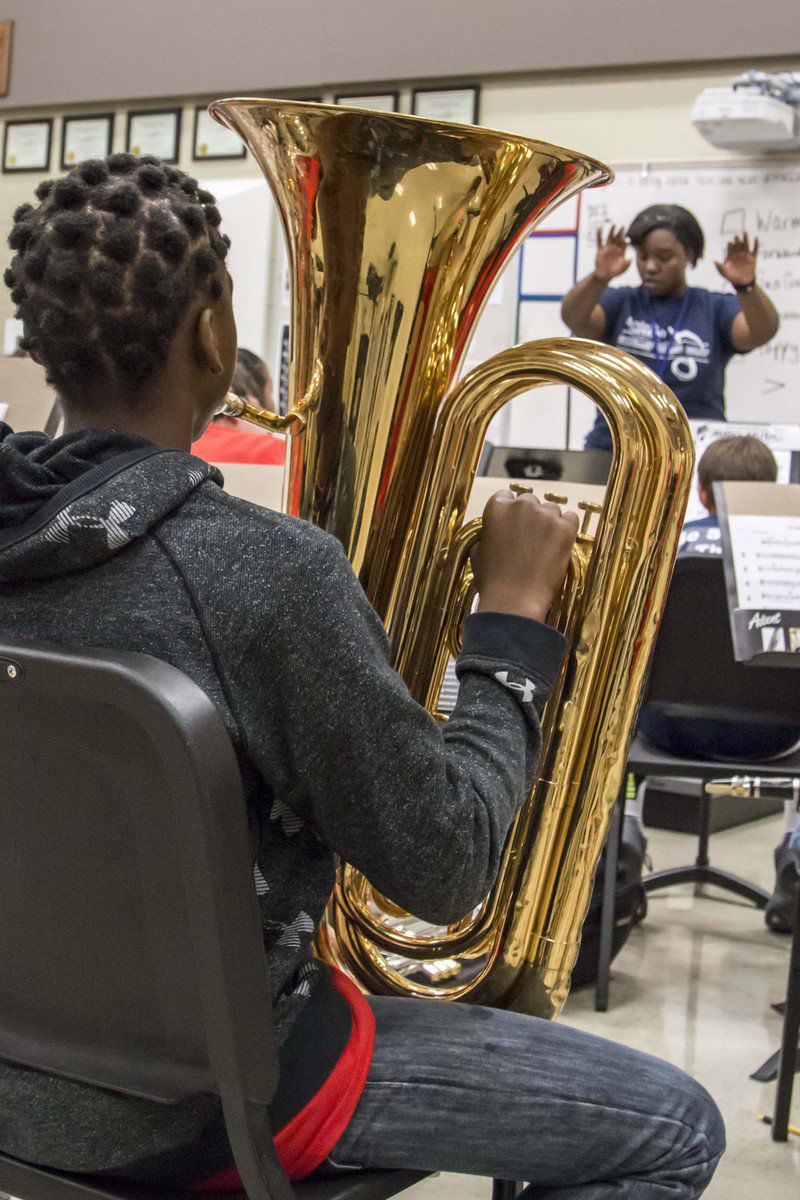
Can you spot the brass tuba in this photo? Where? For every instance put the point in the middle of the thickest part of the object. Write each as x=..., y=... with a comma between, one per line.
x=396, y=229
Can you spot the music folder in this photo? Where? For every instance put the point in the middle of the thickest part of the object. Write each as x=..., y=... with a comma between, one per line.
x=760, y=533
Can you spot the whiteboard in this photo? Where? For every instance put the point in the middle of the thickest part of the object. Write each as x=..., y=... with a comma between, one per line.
x=727, y=198
x=783, y=441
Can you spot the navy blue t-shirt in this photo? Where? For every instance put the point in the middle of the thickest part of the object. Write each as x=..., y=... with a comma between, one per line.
x=699, y=351
x=701, y=537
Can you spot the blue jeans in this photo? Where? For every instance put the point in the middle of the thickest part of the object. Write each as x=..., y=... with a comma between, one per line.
x=474, y=1090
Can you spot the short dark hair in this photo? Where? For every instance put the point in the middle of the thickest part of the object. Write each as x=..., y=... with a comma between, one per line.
x=255, y=367
x=679, y=221
x=736, y=458
x=243, y=384
x=106, y=265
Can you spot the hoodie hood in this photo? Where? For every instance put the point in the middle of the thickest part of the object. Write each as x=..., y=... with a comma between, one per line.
x=72, y=502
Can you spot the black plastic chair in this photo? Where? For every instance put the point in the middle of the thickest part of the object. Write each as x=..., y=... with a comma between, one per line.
x=151, y=882
x=694, y=674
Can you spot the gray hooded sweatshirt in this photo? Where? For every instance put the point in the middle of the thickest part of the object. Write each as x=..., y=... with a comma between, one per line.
x=111, y=542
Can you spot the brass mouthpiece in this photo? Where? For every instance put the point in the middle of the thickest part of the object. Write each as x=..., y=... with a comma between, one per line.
x=235, y=406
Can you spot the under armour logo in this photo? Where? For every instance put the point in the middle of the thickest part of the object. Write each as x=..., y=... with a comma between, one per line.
x=290, y=822
x=66, y=525
x=526, y=689
x=291, y=934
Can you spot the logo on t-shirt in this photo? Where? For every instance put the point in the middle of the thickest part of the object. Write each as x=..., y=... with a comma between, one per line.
x=685, y=350
x=701, y=540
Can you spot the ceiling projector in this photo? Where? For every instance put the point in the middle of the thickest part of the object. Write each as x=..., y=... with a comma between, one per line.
x=758, y=112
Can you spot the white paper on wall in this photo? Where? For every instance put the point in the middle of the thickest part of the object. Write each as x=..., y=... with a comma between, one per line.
x=540, y=319
x=247, y=218
x=547, y=266
x=12, y=332
x=497, y=295
x=561, y=218
x=539, y=418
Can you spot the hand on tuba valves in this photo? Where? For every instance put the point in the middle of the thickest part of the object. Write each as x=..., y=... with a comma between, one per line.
x=523, y=554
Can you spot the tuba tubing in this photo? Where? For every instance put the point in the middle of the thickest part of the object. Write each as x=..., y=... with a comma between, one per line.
x=528, y=928
x=396, y=230
x=530, y=925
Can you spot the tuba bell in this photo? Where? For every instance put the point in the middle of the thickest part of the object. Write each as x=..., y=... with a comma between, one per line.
x=396, y=230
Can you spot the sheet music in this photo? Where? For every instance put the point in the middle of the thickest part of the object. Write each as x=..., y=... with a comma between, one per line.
x=766, y=560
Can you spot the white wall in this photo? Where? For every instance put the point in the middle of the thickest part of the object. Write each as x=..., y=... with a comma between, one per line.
x=72, y=51
x=248, y=220
x=617, y=115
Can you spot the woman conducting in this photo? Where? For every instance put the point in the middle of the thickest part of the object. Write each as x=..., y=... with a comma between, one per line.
x=687, y=335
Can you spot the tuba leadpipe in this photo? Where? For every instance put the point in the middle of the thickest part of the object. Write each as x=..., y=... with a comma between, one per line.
x=396, y=229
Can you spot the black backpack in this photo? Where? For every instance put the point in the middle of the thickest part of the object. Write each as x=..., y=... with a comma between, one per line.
x=630, y=904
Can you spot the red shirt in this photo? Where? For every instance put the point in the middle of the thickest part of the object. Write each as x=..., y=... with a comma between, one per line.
x=223, y=444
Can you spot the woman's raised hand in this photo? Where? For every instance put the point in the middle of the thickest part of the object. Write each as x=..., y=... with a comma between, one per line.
x=611, y=259
x=739, y=264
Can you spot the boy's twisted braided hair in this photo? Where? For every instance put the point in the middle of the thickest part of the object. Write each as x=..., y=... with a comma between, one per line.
x=105, y=267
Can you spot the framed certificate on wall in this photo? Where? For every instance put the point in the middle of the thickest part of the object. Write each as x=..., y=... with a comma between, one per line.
x=212, y=140
x=85, y=137
x=377, y=101
x=6, y=30
x=26, y=145
x=458, y=104
x=155, y=131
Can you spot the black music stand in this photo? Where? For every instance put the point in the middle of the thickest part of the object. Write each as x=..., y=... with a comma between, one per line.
x=789, y=1062
x=695, y=674
x=784, y=1064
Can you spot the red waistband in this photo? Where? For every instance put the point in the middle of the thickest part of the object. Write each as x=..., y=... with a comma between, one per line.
x=311, y=1135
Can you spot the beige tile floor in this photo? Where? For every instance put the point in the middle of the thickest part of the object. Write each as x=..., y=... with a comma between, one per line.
x=694, y=985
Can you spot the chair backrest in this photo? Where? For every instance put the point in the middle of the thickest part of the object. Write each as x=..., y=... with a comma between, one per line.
x=131, y=953
x=694, y=671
